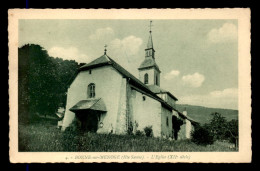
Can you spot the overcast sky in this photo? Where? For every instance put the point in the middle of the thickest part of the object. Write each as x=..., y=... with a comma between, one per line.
x=198, y=58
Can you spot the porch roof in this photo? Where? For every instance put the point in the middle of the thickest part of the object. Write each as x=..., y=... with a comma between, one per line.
x=90, y=104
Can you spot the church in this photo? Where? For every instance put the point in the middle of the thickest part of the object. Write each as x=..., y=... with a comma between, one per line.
x=106, y=98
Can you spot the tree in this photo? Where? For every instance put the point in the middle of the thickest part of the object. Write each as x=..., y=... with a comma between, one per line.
x=202, y=136
x=218, y=126
x=222, y=129
x=42, y=81
x=232, y=132
x=31, y=60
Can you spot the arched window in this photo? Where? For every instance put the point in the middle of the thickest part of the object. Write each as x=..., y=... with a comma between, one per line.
x=146, y=78
x=91, y=90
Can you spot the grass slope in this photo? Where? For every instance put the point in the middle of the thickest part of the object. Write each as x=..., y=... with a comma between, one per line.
x=203, y=114
x=46, y=137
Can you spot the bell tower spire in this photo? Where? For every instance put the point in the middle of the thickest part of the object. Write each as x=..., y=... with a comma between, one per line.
x=149, y=71
x=149, y=51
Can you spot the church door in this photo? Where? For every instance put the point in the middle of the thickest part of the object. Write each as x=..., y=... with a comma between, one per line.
x=88, y=120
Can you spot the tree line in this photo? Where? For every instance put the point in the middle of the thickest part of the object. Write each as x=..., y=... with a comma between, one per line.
x=42, y=82
x=217, y=129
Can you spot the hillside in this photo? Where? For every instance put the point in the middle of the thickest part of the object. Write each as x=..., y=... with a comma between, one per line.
x=203, y=114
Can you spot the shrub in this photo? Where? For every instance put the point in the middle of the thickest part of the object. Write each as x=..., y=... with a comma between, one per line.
x=74, y=127
x=148, y=131
x=202, y=136
x=139, y=133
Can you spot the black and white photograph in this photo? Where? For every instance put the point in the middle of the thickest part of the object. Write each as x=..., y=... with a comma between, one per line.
x=169, y=85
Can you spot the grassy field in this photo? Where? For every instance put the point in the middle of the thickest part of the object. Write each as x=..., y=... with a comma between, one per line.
x=46, y=137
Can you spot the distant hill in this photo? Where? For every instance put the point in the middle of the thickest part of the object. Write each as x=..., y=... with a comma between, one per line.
x=203, y=114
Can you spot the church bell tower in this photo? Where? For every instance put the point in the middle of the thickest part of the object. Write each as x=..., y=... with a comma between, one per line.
x=149, y=72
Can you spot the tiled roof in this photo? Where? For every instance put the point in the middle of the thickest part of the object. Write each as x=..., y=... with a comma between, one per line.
x=147, y=63
x=193, y=122
x=99, y=61
x=90, y=104
x=156, y=89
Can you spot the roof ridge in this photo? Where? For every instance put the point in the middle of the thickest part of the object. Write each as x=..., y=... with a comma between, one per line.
x=187, y=117
x=95, y=60
x=107, y=57
x=161, y=90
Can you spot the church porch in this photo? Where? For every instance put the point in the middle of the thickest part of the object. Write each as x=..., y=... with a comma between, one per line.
x=88, y=114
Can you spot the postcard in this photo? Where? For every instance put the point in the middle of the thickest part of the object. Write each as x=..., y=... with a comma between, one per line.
x=130, y=85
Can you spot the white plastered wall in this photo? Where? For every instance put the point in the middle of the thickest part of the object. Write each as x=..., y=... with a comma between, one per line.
x=146, y=112
x=150, y=73
x=108, y=84
x=188, y=129
x=166, y=130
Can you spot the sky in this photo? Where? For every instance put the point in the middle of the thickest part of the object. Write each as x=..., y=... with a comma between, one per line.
x=198, y=59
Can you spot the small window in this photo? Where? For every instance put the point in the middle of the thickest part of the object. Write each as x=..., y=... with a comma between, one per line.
x=144, y=98
x=89, y=71
x=167, y=121
x=91, y=90
x=146, y=78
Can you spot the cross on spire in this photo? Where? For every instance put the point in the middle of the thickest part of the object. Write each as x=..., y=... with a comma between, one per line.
x=105, y=49
x=150, y=26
